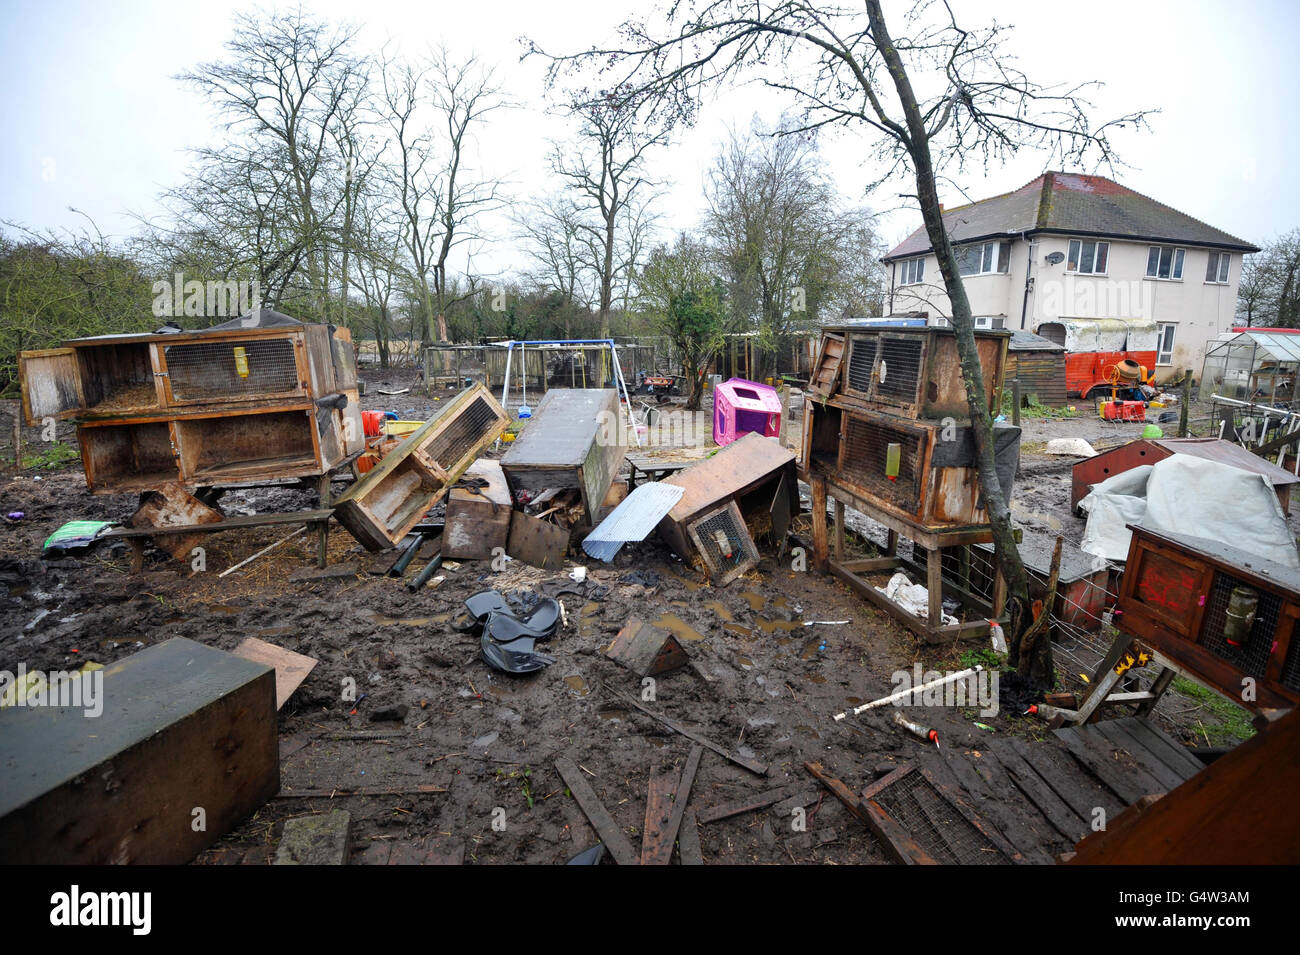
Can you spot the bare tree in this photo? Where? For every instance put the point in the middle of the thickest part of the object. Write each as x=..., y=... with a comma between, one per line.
x=787, y=241
x=281, y=89
x=845, y=68
x=432, y=110
x=605, y=169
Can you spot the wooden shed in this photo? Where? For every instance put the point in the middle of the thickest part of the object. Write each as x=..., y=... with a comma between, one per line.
x=1039, y=363
x=1092, y=471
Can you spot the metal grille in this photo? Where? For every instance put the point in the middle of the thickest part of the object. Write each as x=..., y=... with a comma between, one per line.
x=737, y=555
x=471, y=424
x=865, y=445
x=945, y=834
x=900, y=368
x=211, y=369
x=862, y=362
x=1291, y=668
x=1252, y=659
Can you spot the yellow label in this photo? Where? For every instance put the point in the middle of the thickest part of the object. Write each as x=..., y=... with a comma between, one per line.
x=241, y=361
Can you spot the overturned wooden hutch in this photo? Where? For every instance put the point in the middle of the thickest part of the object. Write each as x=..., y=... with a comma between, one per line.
x=887, y=433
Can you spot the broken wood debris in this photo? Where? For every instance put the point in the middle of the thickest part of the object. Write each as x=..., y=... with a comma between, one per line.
x=615, y=840
x=753, y=765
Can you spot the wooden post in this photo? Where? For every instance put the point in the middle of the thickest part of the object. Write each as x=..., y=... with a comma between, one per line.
x=820, y=546
x=891, y=544
x=18, y=437
x=934, y=583
x=839, y=530
x=1015, y=402
x=323, y=528
x=1185, y=403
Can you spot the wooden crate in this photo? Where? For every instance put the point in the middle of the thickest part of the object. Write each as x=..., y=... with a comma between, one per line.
x=214, y=407
x=184, y=727
x=390, y=499
x=750, y=472
x=478, y=521
x=574, y=440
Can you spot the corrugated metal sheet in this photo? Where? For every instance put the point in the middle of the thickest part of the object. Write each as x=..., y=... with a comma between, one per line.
x=635, y=517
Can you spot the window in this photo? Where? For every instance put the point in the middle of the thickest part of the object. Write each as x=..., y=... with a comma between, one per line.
x=1087, y=257
x=1165, y=345
x=1165, y=262
x=983, y=258
x=911, y=271
x=1217, y=269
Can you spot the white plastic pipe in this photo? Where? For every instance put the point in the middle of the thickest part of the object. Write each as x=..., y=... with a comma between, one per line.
x=910, y=691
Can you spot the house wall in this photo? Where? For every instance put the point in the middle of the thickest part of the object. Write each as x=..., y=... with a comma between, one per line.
x=1201, y=310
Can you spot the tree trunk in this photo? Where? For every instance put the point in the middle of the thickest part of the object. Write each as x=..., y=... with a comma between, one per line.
x=995, y=500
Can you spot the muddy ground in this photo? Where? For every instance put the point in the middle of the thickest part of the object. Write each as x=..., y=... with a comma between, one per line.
x=429, y=710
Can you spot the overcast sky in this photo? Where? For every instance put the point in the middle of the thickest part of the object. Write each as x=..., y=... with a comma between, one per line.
x=94, y=119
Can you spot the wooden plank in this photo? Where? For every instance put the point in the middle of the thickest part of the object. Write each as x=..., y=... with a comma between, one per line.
x=1077, y=788
x=745, y=804
x=290, y=668
x=1240, y=810
x=754, y=766
x=228, y=524
x=688, y=840
x=1063, y=819
x=324, y=839
x=979, y=777
x=537, y=543
x=953, y=794
x=1099, y=761
x=1166, y=776
x=895, y=840
x=615, y=839
x=680, y=798
x=182, y=725
x=1158, y=743
x=656, y=842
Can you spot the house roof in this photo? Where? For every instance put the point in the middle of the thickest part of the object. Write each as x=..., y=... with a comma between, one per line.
x=1069, y=203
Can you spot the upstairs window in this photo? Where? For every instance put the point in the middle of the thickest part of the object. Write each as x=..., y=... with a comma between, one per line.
x=911, y=271
x=983, y=258
x=1087, y=257
x=1217, y=269
x=1165, y=262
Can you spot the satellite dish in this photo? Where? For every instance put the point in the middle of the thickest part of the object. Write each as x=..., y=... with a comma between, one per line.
x=1055, y=258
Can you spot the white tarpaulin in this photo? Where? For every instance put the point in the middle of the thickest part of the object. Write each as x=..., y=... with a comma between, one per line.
x=1188, y=495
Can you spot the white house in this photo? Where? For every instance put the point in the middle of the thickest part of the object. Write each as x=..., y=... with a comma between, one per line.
x=1067, y=250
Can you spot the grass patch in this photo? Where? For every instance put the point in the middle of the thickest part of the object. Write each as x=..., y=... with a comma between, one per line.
x=985, y=657
x=1032, y=408
x=1232, y=722
x=51, y=457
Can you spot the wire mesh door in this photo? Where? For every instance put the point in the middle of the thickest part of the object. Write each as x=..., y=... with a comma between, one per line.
x=232, y=369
